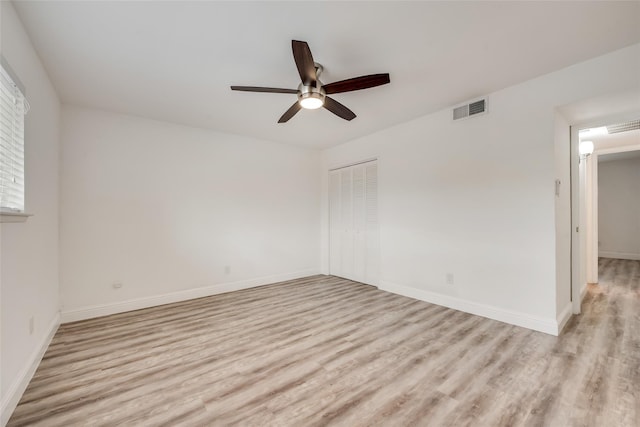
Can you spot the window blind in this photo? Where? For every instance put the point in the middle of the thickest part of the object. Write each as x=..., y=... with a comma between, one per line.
x=13, y=107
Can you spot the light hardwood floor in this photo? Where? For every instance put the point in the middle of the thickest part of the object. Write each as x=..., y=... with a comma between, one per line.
x=327, y=351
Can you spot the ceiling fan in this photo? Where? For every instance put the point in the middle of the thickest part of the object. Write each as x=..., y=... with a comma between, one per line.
x=312, y=93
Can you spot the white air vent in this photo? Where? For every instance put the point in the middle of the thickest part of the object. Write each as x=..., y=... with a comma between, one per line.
x=623, y=127
x=471, y=109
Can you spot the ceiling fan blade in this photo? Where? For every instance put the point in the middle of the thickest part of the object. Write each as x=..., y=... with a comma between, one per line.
x=290, y=113
x=357, y=83
x=304, y=62
x=263, y=89
x=338, y=109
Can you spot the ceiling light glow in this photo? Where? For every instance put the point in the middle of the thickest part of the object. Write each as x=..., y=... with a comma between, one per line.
x=311, y=103
x=599, y=131
x=586, y=148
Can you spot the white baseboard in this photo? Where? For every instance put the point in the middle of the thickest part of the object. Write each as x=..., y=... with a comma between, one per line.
x=548, y=326
x=564, y=316
x=168, y=298
x=19, y=385
x=619, y=255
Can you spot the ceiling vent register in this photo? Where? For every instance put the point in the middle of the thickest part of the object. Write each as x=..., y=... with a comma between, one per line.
x=471, y=109
x=624, y=127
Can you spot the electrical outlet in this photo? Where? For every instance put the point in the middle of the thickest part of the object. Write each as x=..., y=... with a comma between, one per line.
x=449, y=278
x=117, y=285
x=31, y=325
x=227, y=269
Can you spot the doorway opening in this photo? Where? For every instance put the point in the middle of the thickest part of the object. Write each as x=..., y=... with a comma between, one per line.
x=591, y=145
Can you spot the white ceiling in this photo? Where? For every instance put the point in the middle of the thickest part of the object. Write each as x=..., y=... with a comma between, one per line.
x=175, y=61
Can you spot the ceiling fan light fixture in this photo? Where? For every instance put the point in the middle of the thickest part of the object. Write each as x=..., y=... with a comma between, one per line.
x=312, y=93
x=311, y=97
x=312, y=101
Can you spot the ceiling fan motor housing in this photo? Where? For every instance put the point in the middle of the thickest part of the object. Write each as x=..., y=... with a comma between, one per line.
x=316, y=92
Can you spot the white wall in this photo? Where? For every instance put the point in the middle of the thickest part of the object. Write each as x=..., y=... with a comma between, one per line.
x=476, y=197
x=619, y=208
x=29, y=262
x=164, y=208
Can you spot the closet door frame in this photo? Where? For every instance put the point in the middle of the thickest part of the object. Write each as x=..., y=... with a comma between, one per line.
x=334, y=234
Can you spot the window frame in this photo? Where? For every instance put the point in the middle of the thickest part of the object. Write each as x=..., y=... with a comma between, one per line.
x=16, y=213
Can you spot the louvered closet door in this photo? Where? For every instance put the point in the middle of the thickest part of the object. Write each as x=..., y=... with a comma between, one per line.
x=353, y=223
x=372, y=237
x=335, y=228
x=346, y=221
x=359, y=221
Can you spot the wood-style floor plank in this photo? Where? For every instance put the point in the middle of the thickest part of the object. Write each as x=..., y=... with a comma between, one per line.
x=327, y=351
